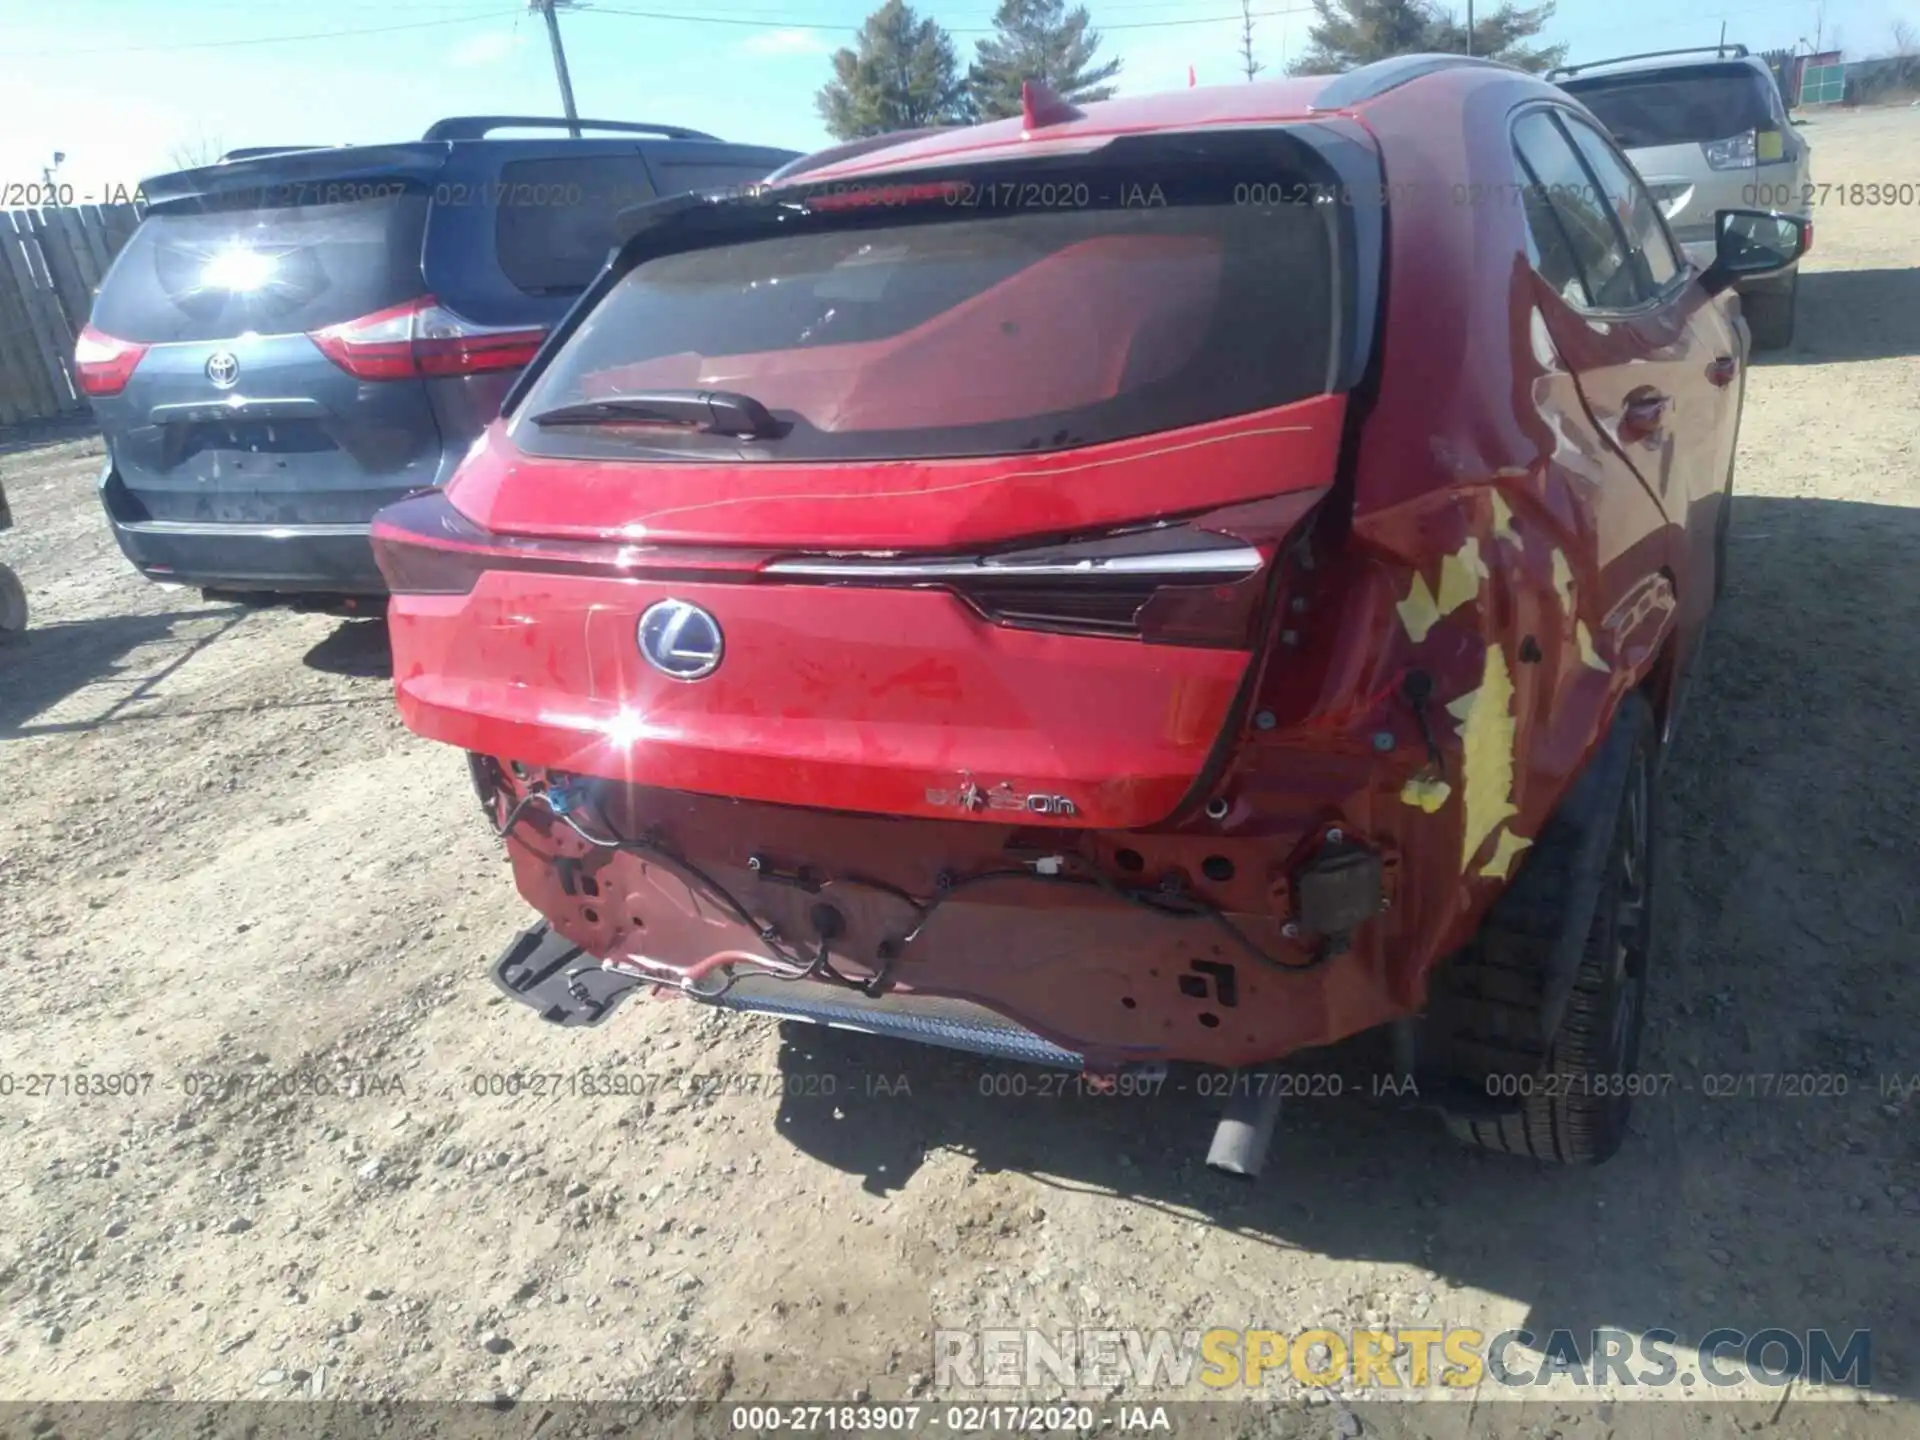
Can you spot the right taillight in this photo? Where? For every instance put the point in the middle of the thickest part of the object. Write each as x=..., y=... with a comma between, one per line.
x=1172, y=584
x=102, y=365
x=1737, y=152
x=424, y=338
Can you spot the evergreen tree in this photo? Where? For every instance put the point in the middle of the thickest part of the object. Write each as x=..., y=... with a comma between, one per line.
x=903, y=73
x=1348, y=33
x=1038, y=40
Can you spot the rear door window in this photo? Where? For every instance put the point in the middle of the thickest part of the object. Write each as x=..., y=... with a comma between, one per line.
x=975, y=331
x=1689, y=106
x=265, y=262
x=555, y=218
x=1652, y=247
x=1566, y=206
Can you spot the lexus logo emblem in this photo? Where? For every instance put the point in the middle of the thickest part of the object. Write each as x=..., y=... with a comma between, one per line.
x=681, y=640
x=222, y=369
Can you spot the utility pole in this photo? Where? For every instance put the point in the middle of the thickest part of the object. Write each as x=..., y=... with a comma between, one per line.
x=1723, y=35
x=1469, y=27
x=546, y=8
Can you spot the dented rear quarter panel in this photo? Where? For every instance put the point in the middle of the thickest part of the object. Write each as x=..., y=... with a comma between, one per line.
x=1502, y=541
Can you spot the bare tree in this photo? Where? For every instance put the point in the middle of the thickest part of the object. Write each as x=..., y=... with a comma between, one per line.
x=1252, y=66
x=196, y=150
x=1906, y=40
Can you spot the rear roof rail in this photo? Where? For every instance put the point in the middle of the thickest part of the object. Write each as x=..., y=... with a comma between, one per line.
x=1728, y=52
x=477, y=127
x=1369, y=81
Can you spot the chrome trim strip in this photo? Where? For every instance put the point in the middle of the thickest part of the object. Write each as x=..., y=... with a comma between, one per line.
x=248, y=529
x=1241, y=561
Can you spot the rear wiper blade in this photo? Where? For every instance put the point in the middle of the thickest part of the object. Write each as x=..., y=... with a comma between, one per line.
x=710, y=412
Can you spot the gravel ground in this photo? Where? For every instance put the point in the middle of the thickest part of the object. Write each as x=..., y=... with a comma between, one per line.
x=223, y=857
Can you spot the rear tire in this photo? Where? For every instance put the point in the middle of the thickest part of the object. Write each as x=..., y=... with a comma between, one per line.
x=1770, y=315
x=13, y=604
x=1581, y=1092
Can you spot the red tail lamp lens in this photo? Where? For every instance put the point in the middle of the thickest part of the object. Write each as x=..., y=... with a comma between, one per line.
x=102, y=365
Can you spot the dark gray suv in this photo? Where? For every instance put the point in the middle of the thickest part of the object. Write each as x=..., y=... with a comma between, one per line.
x=294, y=338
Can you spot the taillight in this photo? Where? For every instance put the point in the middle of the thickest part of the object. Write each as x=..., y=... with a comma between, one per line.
x=425, y=546
x=424, y=338
x=1172, y=584
x=1735, y=153
x=102, y=365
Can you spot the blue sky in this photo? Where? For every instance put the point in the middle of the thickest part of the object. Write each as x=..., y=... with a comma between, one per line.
x=117, y=84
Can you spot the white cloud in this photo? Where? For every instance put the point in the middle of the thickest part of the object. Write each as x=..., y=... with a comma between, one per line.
x=487, y=48
x=786, y=42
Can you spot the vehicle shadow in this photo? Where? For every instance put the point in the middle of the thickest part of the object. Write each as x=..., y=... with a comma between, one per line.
x=1740, y=1199
x=48, y=665
x=354, y=648
x=1852, y=315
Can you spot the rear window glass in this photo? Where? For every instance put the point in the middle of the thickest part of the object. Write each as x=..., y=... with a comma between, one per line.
x=211, y=270
x=1677, y=108
x=1007, y=331
x=678, y=177
x=554, y=225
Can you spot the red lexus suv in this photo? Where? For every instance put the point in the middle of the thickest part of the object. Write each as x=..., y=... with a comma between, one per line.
x=1175, y=581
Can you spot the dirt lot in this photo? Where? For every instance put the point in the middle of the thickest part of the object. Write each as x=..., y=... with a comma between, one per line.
x=223, y=856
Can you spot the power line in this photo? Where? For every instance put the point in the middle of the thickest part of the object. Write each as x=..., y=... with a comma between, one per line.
x=267, y=39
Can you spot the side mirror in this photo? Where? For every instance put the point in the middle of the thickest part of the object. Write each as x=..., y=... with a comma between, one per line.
x=1753, y=244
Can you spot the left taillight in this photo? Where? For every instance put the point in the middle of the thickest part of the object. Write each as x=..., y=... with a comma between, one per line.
x=102, y=365
x=423, y=338
x=424, y=545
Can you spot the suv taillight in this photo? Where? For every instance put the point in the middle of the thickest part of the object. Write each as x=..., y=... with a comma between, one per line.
x=102, y=365
x=423, y=337
x=1738, y=152
x=1172, y=584
x=425, y=546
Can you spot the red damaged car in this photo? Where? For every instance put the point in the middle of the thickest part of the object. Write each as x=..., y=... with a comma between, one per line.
x=1179, y=581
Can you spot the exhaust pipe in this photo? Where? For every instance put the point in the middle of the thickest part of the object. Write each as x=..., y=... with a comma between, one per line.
x=1245, y=1132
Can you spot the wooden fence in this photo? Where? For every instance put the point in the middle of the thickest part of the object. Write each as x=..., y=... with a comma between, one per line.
x=51, y=262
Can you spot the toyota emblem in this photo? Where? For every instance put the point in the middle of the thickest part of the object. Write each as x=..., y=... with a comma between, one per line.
x=223, y=369
x=681, y=640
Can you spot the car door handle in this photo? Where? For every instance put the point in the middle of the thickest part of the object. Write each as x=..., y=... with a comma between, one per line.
x=1643, y=414
x=1722, y=369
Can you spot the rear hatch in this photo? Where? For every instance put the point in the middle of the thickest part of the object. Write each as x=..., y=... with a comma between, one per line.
x=980, y=483
x=1703, y=137
x=229, y=358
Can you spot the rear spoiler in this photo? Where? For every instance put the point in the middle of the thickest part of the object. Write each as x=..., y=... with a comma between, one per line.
x=284, y=171
x=254, y=151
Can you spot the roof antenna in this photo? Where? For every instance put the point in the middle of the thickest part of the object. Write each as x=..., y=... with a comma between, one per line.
x=1040, y=107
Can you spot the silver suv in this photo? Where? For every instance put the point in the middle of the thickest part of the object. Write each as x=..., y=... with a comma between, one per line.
x=1708, y=131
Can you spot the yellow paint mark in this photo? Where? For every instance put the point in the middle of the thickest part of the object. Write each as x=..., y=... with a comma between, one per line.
x=1500, y=864
x=1460, y=577
x=1588, y=655
x=1563, y=581
x=1425, y=791
x=1486, y=742
x=1503, y=521
x=1418, y=612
